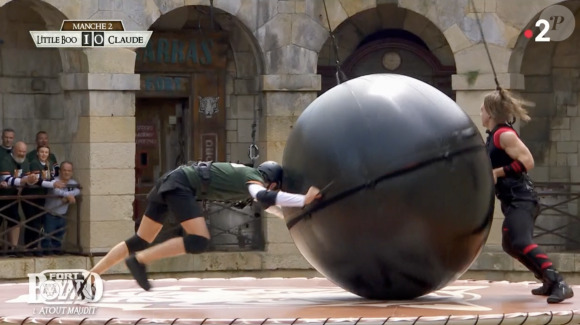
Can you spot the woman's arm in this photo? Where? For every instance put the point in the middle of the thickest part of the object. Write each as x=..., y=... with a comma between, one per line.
x=517, y=150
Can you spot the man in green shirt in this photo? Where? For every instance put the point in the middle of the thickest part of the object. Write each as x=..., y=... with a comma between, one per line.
x=41, y=141
x=7, y=140
x=177, y=191
x=14, y=172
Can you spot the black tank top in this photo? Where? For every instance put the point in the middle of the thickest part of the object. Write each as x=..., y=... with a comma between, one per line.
x=508, y=189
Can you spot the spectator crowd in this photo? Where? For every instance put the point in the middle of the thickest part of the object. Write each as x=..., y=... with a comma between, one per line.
x=34, y=183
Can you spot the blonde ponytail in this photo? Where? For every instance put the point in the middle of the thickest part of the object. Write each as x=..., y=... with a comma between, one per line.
x=504, y=106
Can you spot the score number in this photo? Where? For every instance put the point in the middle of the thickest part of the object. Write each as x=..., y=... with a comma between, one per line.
x=543, y=30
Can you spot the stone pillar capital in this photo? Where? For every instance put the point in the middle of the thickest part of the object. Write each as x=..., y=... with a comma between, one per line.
x=290, y=82
x=474, y=81
x=100, y=82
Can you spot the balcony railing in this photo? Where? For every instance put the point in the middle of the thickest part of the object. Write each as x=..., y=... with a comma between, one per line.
x=238, y=227
x=27, y=228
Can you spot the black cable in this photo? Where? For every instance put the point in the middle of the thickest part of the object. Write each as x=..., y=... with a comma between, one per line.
x=485, y=45
x=339, y=73
x=371, y=184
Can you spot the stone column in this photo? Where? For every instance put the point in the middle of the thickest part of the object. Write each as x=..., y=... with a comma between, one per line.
x=103, y=149
x=469, y=96
x=284, y=98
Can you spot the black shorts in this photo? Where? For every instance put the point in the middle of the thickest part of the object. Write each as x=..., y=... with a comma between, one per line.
x=174, y=194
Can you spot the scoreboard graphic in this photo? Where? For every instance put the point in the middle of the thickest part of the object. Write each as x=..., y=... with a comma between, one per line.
x=91, y=34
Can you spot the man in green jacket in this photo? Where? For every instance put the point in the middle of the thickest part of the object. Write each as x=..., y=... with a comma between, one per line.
x=14, y=172
x=177, y=192
x=7, y=141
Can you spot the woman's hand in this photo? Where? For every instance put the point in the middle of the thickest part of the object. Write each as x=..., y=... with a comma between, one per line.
x=313, y=194
x=494, y=177
x=32, y=179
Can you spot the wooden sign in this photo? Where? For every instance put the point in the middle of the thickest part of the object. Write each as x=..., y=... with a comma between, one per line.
x=164, y=83
x=183, y=52
x=146, y=135
x=209, y=116
x=209, y=147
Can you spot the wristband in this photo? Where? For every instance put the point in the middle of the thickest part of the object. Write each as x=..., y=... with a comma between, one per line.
x=514, y=169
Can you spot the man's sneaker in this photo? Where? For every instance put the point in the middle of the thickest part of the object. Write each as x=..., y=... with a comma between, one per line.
x=560, y=292
x=560, y=289
x=87, y=293
x=139, y=272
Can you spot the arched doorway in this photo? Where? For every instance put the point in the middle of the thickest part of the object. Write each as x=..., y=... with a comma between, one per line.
x=372, y=41
x=197, y=102
x=32, y=98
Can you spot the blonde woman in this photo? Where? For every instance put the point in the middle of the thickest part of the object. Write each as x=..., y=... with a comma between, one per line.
x=511, y=160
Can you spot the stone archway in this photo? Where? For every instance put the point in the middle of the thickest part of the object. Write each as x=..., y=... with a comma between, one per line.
x=32, y=96
x=83, y=99
x=242, y=64
x=197, y=55
x=364, y=39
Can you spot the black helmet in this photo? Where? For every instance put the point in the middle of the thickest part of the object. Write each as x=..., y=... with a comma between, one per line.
x=271, y=171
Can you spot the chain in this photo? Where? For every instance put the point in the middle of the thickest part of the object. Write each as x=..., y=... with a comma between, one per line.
x=211, y=17
x=339, y=73
x=253, y=151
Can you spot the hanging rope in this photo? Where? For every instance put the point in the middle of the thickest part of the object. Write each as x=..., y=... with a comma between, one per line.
x=339, y=73
x=485, y=45
x=498, y=86
x=211, y=18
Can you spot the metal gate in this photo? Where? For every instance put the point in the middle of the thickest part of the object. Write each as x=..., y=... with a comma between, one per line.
x=558, y=225
x=233, y=226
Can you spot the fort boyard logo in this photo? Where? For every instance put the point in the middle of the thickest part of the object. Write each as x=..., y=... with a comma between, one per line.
x=64, y=292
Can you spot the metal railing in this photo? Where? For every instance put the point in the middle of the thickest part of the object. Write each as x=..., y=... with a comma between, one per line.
x=27, y=228
x=238, y=226
x=557, y=227
x=233, y=227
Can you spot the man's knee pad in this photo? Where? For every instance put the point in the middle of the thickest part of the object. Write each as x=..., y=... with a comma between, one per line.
x=195, y=244
x=136, y=244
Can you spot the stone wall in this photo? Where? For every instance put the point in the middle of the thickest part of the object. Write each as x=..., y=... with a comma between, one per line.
x=491, y=265
x=242, y=97
x=552, y=71
x=31, y=98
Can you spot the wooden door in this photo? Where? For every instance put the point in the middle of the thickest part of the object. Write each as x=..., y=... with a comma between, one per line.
x=156, y=144
x=209, y=116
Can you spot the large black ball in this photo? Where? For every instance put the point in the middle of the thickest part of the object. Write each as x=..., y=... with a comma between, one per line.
x=410, y=201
